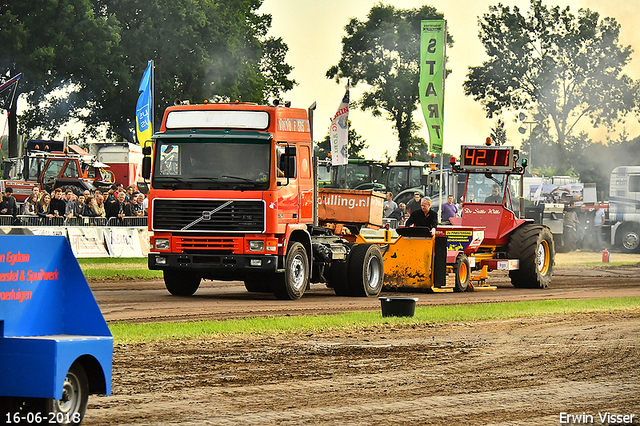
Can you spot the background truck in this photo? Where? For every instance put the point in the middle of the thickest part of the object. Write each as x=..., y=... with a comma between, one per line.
x=624, y=208
x=232, y=197
x=124, y=160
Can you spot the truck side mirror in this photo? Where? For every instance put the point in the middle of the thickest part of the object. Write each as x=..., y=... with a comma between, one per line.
x=146, y=167
x=290, y=162
x=146, y=151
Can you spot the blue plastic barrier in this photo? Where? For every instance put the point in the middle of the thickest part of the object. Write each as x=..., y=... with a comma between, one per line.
x=49, y=320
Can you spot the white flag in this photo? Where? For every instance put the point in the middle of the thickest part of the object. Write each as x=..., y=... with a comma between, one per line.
x=339, y=132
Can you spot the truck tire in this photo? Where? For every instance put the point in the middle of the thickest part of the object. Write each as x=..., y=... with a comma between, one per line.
x=257, y=285
x=533, y=246
x=292, y=284
x=365, y=270
x=181, y=283
x=462, y=272
x=337, y=277
x=630, y=239
x=75, y=393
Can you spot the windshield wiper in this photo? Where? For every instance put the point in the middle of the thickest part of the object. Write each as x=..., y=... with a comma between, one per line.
x=176, y=180
x=244, y=179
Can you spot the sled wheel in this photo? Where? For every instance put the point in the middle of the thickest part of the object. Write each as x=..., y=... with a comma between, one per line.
x=462, y=272
x=365, y=270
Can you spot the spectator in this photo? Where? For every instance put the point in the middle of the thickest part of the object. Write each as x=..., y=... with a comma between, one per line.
x=598, y=221
x=140, y=210
x=58, y=206
x=36, y=190
x=30, y=206
x=449, y=210
x=8, y=205
x=98, y=206
x=78, y=205
x=88, y=209
x=44, y=206
x=145, y=205
x=425, y=217
x=112, y=197
x=116, y=209
x=69, y=200
x=389, y=205
x=129, y=193
x=399, y=214
x=414, y=203
x=130, y=206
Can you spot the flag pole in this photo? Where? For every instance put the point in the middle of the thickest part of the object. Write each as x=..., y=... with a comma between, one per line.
x=151, y=101
x=444, y=77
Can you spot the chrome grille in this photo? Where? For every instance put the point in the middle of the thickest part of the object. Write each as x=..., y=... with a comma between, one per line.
x=208, y=215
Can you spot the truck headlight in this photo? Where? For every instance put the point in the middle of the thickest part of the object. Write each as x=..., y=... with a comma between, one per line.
x=161, y=244
x=256, y=245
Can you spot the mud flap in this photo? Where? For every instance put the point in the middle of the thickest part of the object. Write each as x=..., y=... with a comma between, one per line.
x=440, y=262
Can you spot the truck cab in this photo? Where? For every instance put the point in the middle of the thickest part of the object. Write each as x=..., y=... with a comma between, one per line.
x=232, y=198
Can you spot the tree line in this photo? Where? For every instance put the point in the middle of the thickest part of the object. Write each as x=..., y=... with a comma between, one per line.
x=561, y=67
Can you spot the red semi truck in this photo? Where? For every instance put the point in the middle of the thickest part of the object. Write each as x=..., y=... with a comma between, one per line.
x=232, y=197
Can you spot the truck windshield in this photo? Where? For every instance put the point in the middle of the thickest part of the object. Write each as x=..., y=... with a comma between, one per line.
x=212, y=164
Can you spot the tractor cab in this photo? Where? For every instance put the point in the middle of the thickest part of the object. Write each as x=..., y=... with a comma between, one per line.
x=492, y=192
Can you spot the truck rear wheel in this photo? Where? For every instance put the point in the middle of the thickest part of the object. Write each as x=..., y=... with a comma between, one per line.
x=533, y=246
x=181, y=283
x=75, y=393
x=462, y=272
x=337, y=277
x=365, y=270
x=292, y=284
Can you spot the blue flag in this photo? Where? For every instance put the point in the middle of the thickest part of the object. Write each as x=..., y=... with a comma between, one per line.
x=144, y=130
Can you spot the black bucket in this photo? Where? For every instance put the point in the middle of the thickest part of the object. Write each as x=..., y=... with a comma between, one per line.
x=398, y=306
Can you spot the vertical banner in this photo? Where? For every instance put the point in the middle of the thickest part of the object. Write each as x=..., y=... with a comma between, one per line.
x=432, y=66
x=339, y=132
x=144, y=129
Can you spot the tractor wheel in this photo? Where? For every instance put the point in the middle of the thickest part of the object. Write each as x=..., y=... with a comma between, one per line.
x=257, y=285
x=292, y=284
x=181, y=283
x=462, y=272
x=533, y=246
x=630, y=239
x=75, y=393
x=77, y=191
x=365, y=271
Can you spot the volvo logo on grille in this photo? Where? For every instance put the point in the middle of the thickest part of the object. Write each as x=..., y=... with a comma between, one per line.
x=206, y=215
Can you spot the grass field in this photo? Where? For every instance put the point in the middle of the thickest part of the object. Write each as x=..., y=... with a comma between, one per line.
x=131, y=333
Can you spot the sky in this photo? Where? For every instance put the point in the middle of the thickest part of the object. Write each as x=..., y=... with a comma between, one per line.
x=313, y=30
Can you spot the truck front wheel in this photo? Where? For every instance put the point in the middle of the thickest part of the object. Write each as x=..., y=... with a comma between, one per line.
x=365, y=270
x=533, y=246
x=181, y=283
x=292, y=284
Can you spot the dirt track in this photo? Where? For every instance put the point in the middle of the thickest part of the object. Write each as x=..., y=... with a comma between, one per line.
x=512, y=372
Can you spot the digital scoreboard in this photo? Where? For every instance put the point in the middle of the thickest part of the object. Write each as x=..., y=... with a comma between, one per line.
x=487, y=157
